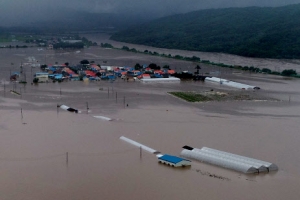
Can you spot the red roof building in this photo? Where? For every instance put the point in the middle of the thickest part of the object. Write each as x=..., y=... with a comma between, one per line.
x=89, y=73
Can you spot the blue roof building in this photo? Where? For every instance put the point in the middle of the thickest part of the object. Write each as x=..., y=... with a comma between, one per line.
x=173, y=161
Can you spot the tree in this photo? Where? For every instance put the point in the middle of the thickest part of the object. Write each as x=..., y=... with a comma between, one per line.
x=266, y=70
x=43, y=67
x=256, y=69
x=126, y=48
x=105, y=45
x=178, y=57
x=154, y=66
x=196, y=59
x=138, y=66
x=166, y=67
x=275, y=73
x=35, y=80
x=251, y=68
x=288, y=72
x=245, y=68
x=84, y=62
x=133, y=50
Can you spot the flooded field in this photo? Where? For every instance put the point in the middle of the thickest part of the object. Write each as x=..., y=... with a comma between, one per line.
x=50, y=153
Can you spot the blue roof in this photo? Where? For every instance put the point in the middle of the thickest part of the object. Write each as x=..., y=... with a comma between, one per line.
x=171, y=159
x=52, y=68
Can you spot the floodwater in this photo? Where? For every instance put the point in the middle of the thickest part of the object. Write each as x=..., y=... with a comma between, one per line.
x=228, y=59
x=49, y=153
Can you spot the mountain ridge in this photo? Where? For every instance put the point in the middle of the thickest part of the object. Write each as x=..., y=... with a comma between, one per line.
x=266, y=32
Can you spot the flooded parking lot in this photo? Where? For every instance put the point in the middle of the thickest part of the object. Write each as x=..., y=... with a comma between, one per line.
x=35, y=141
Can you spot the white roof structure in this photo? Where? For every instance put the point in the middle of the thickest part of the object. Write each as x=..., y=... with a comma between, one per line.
x=64, y=107
x=228, y=160
x=106, y=67
x=230, y=83
x=257, y=163
x=103, y=118
x=160, y=80
x=150, y=150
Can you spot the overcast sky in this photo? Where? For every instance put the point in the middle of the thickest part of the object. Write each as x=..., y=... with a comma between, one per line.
x=16, y=12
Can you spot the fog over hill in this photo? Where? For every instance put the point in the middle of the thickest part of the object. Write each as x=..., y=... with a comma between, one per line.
x=125, y=12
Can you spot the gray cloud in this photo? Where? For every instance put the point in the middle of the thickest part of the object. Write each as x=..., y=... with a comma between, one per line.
x=17, y=12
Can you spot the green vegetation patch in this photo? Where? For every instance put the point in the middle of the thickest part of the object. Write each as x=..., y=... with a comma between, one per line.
x=212, y=95
x=5, y=38
x=191, y=96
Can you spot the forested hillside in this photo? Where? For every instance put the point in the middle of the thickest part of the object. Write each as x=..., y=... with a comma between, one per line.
x=252, y=31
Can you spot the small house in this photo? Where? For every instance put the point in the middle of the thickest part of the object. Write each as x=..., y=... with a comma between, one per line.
x=41, y=77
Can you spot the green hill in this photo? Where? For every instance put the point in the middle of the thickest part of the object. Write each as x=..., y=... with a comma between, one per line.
x=253, y=31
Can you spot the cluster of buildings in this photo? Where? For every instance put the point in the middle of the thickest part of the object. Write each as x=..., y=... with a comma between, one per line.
x=93, y=72
x=49, y=42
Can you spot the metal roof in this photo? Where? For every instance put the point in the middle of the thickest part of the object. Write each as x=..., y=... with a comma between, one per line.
x=259, y=164
x=144, y=147
x=171, y=159
x=228, y=160
x=230, y=83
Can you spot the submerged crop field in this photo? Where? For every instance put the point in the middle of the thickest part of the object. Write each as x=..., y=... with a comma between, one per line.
x=191, y=96
x=206, y=96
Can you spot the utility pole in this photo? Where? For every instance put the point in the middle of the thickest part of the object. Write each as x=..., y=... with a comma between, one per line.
x=4, y=88
x=67, y=158
x=87, y=108
x=108, y=92
x=10, y=69
x=31, y=73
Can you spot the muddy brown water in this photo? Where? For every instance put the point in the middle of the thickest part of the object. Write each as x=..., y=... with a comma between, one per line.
x=34, y=143
x=228, y=59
